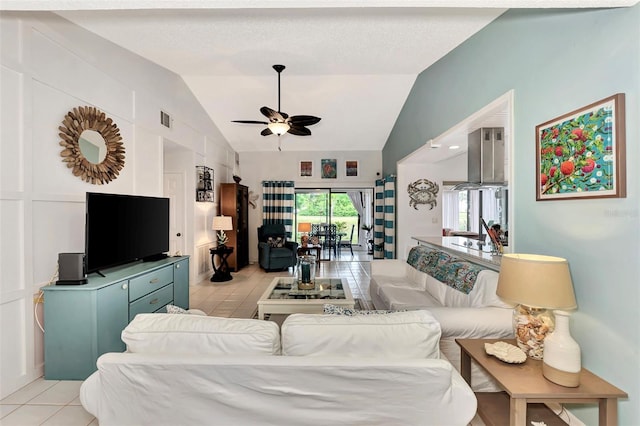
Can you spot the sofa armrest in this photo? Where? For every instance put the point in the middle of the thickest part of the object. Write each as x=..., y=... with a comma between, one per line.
x=477, y=323
x=389, y=267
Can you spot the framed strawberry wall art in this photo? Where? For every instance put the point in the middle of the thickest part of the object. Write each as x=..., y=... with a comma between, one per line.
x=582, y=154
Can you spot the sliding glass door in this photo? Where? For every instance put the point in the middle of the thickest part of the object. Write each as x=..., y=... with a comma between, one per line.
x=343, y=211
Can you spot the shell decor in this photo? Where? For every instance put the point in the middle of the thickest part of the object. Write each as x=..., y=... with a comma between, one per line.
x=506, y=352
x=91, y=118
x=423, y=191
x=253, y=198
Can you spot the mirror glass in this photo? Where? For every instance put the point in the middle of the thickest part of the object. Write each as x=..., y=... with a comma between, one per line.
x=93, y=146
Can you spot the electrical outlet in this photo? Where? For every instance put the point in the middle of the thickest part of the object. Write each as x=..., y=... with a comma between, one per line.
x=434, y=220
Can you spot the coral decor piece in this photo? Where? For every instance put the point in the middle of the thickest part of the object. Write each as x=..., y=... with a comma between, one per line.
x=506, y=352
x=582, y=154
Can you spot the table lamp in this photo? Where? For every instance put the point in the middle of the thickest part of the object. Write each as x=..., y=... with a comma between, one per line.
x=221, y=224
x=538, y=283
x=305, y=228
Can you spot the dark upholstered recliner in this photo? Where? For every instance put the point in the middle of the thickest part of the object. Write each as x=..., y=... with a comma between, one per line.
x=274, y=251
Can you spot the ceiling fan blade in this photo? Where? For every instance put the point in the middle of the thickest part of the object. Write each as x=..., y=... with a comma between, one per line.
x=266, y=132
x=299, y=131
x=272, y=115
x=303, y=120
x=249, y=122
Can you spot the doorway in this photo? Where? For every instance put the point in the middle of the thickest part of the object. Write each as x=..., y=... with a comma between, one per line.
x=318, y=211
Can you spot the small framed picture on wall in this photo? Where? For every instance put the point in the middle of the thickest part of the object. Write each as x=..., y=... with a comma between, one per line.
x=306, y=169
x=352, y=168
x=329, y=168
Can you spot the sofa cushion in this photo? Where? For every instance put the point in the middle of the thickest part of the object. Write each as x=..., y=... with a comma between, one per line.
x=484, y=291
x=397, y=298
x=195, y=334
x=281, y=252
x=398, y=335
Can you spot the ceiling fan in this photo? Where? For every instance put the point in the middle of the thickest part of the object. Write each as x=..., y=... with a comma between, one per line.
x=279, y=122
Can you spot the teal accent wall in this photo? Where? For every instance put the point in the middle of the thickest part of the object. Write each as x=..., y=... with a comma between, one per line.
x=556, y=61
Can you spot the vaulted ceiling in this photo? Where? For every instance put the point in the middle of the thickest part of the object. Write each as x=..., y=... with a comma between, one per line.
x=350, y=62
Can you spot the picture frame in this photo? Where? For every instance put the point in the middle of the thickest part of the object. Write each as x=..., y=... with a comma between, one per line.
x=306, y=169
x=351, y=168
x=581, y=154
x=329, y=168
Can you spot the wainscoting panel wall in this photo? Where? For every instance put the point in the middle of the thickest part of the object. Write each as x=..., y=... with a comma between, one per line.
x=48, y=67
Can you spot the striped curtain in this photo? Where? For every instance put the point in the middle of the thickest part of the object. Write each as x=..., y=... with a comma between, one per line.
x=278, y=202
x=384, y=229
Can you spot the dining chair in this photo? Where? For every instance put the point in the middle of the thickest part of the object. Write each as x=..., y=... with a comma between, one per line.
x=331, y=238
x=348, y=242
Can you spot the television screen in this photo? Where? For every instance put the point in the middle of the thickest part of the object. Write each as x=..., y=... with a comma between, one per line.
x=124, y=228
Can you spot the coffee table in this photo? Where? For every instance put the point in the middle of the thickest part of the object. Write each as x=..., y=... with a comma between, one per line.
x=283, y=296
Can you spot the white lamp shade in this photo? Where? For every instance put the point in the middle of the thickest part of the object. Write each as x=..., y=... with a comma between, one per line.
x=222, y=223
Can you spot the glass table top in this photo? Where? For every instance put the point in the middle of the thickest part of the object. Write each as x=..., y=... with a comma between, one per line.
x=325, y=288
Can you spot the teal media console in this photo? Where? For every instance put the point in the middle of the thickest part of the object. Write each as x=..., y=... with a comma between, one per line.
x=82, y=322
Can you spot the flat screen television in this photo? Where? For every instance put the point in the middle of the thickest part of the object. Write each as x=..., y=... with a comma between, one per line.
x=124, y=228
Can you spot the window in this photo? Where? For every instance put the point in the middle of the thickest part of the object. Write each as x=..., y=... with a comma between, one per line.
x=460, y=209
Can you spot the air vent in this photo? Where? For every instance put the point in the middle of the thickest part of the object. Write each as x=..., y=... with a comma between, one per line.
x=165, y=119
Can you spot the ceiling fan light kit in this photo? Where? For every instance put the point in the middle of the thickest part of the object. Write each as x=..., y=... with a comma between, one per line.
x=279, y=122
x=278, y=128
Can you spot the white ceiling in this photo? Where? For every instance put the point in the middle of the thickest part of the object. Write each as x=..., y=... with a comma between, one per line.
x=350, y=62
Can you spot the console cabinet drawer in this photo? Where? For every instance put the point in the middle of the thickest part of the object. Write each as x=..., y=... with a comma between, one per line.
x=152, y=281
x=151, y=302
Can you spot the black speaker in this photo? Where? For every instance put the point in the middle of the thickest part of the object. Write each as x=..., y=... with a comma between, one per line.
x=71, y=269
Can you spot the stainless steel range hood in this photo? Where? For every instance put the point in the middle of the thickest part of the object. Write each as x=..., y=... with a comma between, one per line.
x=485, y=159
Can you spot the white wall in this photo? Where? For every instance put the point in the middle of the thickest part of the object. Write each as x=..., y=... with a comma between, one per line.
x=48, y=67
x=423, y=221
x=285, y=165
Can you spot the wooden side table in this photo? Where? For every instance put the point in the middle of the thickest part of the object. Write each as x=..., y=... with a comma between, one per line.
x=524, y=383
x=221, y=273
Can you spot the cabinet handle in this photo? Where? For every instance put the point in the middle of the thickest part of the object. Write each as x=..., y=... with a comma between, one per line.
x=153, y=281
x=178, y=266
x=125, y=286
x=154, y=301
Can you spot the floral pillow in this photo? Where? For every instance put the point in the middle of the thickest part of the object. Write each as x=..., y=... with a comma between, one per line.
x=329, y=309
x=173, y=309
x=275, y=241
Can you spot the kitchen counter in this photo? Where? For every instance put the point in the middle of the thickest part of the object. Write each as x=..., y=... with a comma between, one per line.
x=456, y=246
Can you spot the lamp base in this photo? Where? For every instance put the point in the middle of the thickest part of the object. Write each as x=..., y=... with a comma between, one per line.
x=531, y=326
x=559, y=377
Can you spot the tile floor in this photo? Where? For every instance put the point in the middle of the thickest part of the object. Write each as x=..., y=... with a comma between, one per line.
x=53, y=402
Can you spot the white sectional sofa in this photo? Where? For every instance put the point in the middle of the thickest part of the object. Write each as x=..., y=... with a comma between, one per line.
x=466, y=306
x=320, y=370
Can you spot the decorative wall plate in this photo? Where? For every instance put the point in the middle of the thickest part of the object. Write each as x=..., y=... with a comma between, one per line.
x=506, y=352
x=92, y=144
x=423, y=191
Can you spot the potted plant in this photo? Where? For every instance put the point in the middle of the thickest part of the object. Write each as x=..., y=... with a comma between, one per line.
x=368, y=228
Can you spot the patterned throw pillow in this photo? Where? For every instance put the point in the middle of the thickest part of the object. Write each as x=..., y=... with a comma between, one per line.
x=329, y=309
x=172, y=309
x=275, y=242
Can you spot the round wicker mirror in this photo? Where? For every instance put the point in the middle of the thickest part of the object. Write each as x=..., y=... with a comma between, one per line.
x=89, y=118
